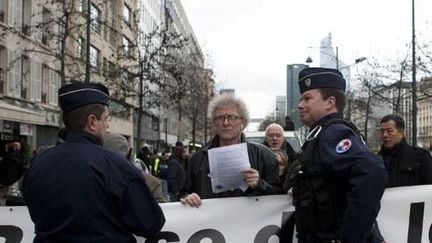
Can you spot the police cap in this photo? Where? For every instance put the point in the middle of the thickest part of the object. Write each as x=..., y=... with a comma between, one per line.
x=75, y=95
x=317, y=77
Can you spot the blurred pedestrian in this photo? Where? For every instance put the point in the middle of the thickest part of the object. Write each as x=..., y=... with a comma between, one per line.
x=144, y=154
x=118, y=144
x=283, y=163
x=173, y=172
x=289, y=124
x=12, y=167
x=81, y=192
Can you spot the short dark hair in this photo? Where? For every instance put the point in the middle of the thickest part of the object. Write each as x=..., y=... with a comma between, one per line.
x=400, y=123
x=76, y=119
x=339, y=96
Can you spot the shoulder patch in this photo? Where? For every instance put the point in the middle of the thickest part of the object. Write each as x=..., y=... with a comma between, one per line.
x=343, y=146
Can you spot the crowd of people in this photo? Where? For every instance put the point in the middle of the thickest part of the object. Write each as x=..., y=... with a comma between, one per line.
x=92, y=176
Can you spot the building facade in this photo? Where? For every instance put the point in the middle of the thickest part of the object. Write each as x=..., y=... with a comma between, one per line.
x=424, y=114
x=280, y=107
x=44, y=47
x=45, y=44
x=293, y=93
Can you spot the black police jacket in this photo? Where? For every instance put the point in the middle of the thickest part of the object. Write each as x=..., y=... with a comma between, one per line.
x=407, y=165
x=260, y=158
x=80, y=192
x=354, y=180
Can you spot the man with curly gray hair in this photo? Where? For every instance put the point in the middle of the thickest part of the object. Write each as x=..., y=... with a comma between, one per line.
x=229, y=117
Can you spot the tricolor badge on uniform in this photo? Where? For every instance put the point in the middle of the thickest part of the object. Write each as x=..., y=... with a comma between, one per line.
x=343, y=146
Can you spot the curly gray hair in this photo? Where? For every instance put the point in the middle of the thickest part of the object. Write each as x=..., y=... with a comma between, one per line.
x=225, y=100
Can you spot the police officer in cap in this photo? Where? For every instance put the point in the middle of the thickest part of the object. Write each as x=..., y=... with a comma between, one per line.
x=80, y=192
x=339, y=183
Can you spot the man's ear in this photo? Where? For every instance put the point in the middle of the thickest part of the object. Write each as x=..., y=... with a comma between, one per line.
x=331, y=101
x=91, y=122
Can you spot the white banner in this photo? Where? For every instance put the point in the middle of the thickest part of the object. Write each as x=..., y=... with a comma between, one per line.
x=405, y=216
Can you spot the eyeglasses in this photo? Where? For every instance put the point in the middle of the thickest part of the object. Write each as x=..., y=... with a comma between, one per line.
x=229, y=118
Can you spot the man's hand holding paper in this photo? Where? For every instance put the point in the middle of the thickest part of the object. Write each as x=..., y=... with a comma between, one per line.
x=230, y=168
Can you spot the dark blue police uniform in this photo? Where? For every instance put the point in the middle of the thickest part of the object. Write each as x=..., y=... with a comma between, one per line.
x=339, y=184
x=80, y=192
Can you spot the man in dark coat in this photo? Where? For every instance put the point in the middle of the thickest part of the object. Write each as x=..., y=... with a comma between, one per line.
x=172, y=171
x=11, y=162
x=80, y=192
x=406, y=165
x=339, y=184
x=230, y=116
x=12, y=167
x=289, y=124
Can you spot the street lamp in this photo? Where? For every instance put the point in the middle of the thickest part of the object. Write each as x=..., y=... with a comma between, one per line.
x=336, y=56
x=414, y=82
x=356, y=61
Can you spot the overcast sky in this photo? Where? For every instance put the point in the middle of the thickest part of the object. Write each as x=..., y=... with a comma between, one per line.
x=250, y=42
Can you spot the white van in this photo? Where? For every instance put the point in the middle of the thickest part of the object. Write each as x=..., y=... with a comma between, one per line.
x=290, y=136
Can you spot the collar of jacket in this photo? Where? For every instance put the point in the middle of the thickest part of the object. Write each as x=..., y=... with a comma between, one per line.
x=214, y=143
x=395, y=149
x=336, y=115
x=82, y=137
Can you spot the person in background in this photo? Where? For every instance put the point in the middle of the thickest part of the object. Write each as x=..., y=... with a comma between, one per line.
x=289, y=124
x=12, y=167
x=173, y=173
x=283, y=163
x=179, y=154
x=162, y=164
x=275, y=139
x=80, y=192
x=339, y=184
x=118, y=144
x=229, y=117
x=406, y=165
x=144, y=154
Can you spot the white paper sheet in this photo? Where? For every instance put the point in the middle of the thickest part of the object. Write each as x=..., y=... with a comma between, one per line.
x=226, y=166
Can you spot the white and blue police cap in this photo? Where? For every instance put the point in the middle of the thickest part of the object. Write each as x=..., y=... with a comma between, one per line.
x=75, y=95
x=317, y=78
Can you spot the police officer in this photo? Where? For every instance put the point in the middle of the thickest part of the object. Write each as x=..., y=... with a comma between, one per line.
x=339, y=182
x=80, y=192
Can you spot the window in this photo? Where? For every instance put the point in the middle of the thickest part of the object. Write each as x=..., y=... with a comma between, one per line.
x=95, y=18
x=46, y=31
x=3, y=10
x=36, y=79
x=45, y=86
x=3, y=68
x=15, y=72
x=82, y=5
x=94, y=58
x=155, y=123
x=111, y=71
x=18, y=14
x=26, y=17
x=25, y=77
x=81, y=48
x=127, y=46
x=127, y=16
x=54, y=79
